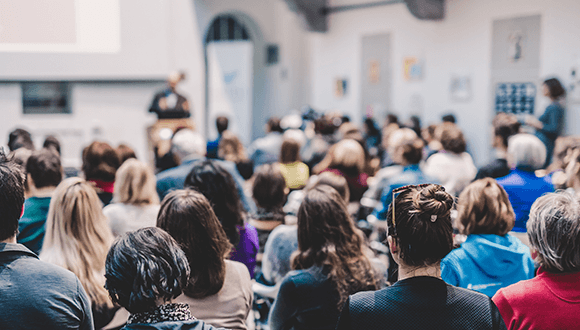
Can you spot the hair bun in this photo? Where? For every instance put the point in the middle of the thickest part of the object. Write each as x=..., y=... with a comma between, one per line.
x=434, y=200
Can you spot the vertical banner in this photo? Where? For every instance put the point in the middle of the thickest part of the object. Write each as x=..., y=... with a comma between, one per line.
x=230, y=86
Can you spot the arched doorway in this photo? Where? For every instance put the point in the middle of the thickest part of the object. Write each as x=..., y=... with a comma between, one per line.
x=229, y=52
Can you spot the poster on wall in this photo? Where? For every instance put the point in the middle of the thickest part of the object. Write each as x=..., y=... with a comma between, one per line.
x=515, y=98
x=230, y=86
x=412, y=69
x=340, y=87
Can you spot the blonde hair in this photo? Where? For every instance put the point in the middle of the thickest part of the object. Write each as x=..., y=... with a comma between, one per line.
x=484, y=208
x=78, y=237
x=346, y=154
x=135, y=184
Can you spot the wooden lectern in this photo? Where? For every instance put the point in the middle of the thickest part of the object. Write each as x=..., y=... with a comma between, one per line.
x=156, y=142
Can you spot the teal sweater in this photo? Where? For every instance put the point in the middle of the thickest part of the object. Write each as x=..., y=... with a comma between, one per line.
x=31, y=226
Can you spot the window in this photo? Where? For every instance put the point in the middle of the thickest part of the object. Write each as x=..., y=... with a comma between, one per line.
x=45, y=97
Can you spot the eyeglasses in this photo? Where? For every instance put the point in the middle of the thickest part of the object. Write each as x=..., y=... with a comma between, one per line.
x=399, y=190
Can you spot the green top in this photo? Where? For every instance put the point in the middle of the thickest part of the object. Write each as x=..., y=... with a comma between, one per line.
x=31, y=226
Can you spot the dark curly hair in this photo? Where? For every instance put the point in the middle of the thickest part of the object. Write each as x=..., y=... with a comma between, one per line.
x=188, y=217
x=144, y=266
x=328, y=238
x=422, y=224
x=219, y=187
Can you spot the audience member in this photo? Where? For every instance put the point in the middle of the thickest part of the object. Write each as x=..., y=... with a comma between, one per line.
x=145, y=271
x=449, y=118
x=78, y=238
x=295, y=172
x=316, y=148
x=330, y=265
x=490, y=258
x=219, y=291
x=20, y=138
x=550, y=300
x=527, y=154
x=189, y=147
x=269, y=192
x=347, y=159
x=550, y=124
x=563, y=154
x=135, y=201
x=572, y=173
x=432, y=145
x=34, y=294
x=420, y=235
x=414, y=123
x=504, y=127
x=218, y=186
x=52, y=142
x=100, y=163
x=221, y=124
x=266, y=150
x=372, y=136
x=44, y=174
x=453, y=167
x=125, y=152
x=231, y=150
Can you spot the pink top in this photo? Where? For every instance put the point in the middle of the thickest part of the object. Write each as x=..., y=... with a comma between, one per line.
x=548, y=301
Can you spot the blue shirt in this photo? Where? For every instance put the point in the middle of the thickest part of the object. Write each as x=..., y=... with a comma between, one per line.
x=212, y=148
x=411, y=175
x=487, y=263
x=523, y=188
x=266, y=150
x=31, y=227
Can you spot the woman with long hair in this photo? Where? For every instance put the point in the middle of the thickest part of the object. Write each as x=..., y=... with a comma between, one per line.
x=330, y=265
x=420, y=235
x=219, y=291
x=135, y=200
x=78, y=239
x=219, y=187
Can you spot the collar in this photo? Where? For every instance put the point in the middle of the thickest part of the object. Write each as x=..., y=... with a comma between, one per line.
x=163, y=313
x=16, y=249
x=105, y=186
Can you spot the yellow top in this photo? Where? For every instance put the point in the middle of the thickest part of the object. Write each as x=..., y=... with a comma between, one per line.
x=296, y=174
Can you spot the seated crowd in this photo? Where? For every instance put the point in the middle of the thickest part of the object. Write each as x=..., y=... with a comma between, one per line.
x=319, y=225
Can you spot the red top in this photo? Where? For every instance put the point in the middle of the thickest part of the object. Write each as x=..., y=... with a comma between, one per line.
x=548, y=301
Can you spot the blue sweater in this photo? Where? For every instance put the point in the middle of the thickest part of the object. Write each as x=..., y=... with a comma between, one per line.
x=487, y=263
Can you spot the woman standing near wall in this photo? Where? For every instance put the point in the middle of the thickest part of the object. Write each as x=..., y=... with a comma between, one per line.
x=550, y=125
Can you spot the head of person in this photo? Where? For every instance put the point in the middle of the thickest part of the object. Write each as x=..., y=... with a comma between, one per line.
x=125, y=152
x=44, y=169
x=327, y=237
x=78, y=236
x=135, y=184
x=52, y=142
x=324, y=126
x=405, y=147
x=273, y=125
x=504, y=126
x=337, y=182
x=290, y=151
x=370, y=127
x=484, y=208
x=392, y=119
x=451, y=138
x=188, y=217
x=12, y=180
x=526, y=151
x=221, y=123
x=428, y=133
x=348, y=156
x=553, y=89
x=449, y=118
x=186, y=143
x=231, y=148
x=415, y=124
x=219, y=187
x=564, y=149
x=553, y=229
x=174, y=79
x=269, y=187
x=100, y=162
x=420, y=231
x=20, y=138
x=145, y=268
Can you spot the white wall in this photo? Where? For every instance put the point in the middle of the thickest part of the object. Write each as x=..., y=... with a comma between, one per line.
x=460, y=45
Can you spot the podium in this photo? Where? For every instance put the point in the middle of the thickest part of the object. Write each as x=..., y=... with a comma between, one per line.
x=156, y=139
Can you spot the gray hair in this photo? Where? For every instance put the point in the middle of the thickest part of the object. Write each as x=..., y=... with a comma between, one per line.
x=526, y=150
x=554, y=231
x=187, y=142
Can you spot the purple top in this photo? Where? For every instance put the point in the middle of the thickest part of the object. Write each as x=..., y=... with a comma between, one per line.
x=246, y=250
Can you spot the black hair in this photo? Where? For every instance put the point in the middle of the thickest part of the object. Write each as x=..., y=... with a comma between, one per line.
x=12, y=180
x=144, y=266
x=392, y=119
x=52, y=142
x=221, y=124
x=415, y=122
x=219, y=187
x=449, y=118
x=44, y=168
x=555, y=87
x=20, y=138
x=372, y=128
x=274, y=125
x=269, y=187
